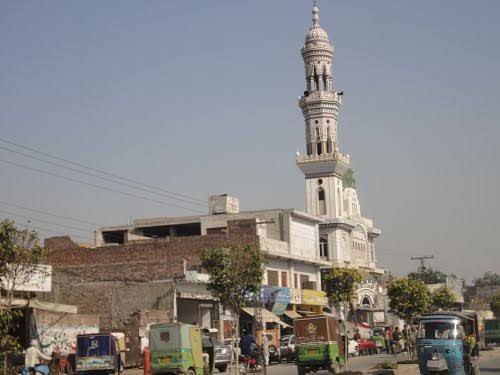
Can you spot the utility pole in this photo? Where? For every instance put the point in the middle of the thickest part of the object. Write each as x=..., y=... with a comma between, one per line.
x=422, y=261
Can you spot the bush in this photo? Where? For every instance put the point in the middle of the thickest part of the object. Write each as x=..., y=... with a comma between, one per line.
x=389, y=365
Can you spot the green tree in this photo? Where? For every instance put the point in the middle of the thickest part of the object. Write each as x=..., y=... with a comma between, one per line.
x=443, y=299
x=408, y=298
x=20, y=256
x=488, y=279
x=235, y=273
x=340, y=286
x=428, y=276
x=495, y=305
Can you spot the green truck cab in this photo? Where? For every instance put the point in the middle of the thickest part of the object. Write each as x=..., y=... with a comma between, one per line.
x=176, y=348
x=319, y=344
x=491, y=331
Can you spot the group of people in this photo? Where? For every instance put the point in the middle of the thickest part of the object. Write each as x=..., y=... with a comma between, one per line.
x=250, y=348
x=396, y=339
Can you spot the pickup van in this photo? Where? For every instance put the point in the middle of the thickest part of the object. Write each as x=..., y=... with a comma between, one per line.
x=491, y=331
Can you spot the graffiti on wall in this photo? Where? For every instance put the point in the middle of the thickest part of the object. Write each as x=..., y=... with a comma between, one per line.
x=62, y=337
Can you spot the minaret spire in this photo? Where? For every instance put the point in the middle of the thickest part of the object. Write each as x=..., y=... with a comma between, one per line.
x=315, y=12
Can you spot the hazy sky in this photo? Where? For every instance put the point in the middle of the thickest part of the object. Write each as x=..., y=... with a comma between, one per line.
x=200, y=97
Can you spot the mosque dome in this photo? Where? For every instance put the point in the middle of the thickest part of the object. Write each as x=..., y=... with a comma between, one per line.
x=316, y=33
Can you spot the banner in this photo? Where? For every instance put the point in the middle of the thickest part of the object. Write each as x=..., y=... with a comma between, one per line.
x=275, y=299
x=281, y=300
x=314, y=297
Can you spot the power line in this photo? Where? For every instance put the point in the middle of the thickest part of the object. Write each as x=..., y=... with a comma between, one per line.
x=51, y=214
x=103, y=172
x=97, y=186
x=46, y=222
x=100, y=177
x=57, y=232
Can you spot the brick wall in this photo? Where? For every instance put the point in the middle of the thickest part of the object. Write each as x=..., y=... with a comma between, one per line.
x=121, y=283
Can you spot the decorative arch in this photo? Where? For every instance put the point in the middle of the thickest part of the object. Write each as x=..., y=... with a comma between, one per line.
x=366, y=301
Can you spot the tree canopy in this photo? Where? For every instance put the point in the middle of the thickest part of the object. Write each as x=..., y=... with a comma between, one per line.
x=20, y=255
x=235, y=272
x=340, y=285
x=488, y=279
x=408, y=298
x=442, y=299
x=495, y=305
x=428, y=276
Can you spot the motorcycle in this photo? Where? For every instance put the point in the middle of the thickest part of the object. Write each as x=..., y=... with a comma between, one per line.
x=252, y=364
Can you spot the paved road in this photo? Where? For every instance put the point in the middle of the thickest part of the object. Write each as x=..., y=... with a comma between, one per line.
x=489, y=362
x=356, y=363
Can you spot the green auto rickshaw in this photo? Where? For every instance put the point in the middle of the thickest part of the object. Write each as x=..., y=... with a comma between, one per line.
x=176, y=348
x=319, y=344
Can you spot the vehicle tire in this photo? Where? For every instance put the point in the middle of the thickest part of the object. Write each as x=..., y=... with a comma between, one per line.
x=222, y=368
x=301, y=370
x=190, y=372
x=335, y=367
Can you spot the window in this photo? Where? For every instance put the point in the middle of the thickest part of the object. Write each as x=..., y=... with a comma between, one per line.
x=303, y=279
x=319, y=148
x=321, y=201
x=323, y=248
x=296, y=280
x=309, y=149
x=328, y=141
x=284, y=279
x=317, y=132
x=272, y=278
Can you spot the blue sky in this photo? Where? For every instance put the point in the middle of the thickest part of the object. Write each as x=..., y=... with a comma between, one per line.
x=200, y=97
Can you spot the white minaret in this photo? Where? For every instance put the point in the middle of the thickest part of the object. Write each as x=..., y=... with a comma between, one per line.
x=323, y=165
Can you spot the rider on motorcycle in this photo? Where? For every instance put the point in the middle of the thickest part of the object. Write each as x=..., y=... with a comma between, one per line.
x=34, y=356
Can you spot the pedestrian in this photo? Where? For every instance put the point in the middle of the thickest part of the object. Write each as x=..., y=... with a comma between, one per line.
x=396, y=337
x=265, y=349
x=388, y=340
x=357, y=335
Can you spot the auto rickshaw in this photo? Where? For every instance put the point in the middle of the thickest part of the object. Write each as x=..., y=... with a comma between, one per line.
x=448, y=343
x=319, y=344
x=97, y=354
x=176, y=348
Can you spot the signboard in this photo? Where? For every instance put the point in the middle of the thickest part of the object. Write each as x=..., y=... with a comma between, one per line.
x=39, y=279
x=295, y=296
x=314, y=297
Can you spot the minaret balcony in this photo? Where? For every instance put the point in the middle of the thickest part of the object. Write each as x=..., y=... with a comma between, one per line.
x=320, y=96
x=333, y=163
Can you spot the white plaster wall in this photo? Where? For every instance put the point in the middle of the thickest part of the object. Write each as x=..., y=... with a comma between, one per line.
x=303, y=238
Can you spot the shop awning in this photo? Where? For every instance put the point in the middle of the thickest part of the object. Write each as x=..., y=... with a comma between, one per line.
x=267, y=316
x=45, y=306
x=292, y=314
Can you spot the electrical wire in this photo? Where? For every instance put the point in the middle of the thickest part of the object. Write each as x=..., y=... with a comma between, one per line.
x=101, y=171
x=100, y=177
x=97, y=186
x=46, y=222
x=51, y=214
x=57, y=232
